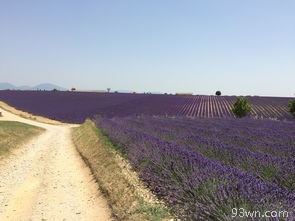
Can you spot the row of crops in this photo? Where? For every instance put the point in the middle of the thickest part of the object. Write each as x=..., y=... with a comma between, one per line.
x=204, y=167
x=213, y=106
x=77, y=106
x=190, y=151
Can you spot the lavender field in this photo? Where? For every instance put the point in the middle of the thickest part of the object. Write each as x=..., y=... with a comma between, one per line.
x=190, y=151
x=203, y=168
x=151, y=110
x=75, y=107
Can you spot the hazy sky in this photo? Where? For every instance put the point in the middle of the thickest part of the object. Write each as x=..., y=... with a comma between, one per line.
x=238, y=46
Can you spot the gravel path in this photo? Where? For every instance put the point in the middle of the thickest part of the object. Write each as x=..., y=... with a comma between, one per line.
x=47, y=180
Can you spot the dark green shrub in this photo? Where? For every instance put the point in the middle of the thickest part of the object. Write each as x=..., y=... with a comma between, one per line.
x=241, y=107
x=292, y=107
x=218, y=93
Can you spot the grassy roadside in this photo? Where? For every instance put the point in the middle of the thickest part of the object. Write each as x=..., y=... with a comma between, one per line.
x=27, y=115
x=127, y=197
x=13, y=134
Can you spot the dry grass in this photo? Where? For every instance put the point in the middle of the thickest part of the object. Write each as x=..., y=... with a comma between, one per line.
x=127, y=196
x=13, y=134
x=28, y=115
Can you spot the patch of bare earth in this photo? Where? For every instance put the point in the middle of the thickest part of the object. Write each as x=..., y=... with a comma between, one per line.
x=46, y=179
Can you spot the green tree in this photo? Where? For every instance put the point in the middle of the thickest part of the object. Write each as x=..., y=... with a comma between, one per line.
x=218, y=93
x=241, y=107
x=292, y=107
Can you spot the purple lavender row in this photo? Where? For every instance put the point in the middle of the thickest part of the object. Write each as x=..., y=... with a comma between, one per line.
x=262, y=133
x=279, y=141
x=267, y=167
x=196, y=187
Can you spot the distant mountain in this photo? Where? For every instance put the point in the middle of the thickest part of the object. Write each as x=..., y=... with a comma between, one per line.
x=45, y=86
x=6, y=86
x=24, y=88
x=48, y=87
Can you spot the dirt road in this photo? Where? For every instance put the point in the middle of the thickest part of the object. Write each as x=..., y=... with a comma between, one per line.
x=47, y=180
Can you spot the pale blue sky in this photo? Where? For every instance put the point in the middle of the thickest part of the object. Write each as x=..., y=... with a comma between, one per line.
x=240, y=47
